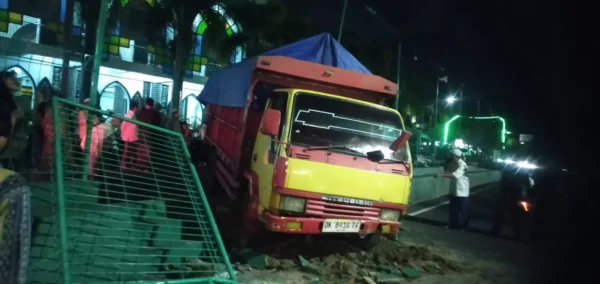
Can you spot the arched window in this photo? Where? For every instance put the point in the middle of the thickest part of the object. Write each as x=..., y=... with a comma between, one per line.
x=44, y=90
x=137, y=97
x=115, y=97
x=191, y=110
x=199, y=61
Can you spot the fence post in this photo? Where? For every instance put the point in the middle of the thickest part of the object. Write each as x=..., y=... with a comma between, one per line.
x=58, y=164
x=94, y=103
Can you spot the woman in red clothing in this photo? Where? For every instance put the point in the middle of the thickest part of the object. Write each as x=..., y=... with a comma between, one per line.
x=50, y=137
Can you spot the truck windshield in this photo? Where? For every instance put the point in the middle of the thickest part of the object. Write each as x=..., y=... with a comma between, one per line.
x=320, y=121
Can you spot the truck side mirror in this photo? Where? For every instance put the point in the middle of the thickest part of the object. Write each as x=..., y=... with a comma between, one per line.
x=270, y=122
x=401, y=141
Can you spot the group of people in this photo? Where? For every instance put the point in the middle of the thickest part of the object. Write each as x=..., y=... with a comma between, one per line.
x=38, y=150
x=515, y=189
x=138, y=141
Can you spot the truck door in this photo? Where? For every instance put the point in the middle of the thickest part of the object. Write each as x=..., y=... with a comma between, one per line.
x=266, y=150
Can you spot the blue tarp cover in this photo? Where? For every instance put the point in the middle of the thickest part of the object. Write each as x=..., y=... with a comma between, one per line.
x=229, y=87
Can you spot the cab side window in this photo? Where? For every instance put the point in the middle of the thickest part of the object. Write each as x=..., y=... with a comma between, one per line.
x=278, y=102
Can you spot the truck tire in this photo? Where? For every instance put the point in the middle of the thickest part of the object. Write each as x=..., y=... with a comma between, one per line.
x=369, y=242
x=252, y=229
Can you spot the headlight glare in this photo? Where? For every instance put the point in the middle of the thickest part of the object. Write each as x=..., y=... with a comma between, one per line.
x=389, y=215
x=292, y=203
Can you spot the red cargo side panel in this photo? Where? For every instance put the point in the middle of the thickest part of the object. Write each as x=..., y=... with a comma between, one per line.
x=224, y=130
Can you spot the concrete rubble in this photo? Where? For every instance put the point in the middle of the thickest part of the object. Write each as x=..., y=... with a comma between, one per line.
x=338, y=262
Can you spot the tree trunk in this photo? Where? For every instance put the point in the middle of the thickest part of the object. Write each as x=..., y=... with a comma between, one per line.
x=178, y=74
x=179, y=63
x=64, y=81
x=89, y=45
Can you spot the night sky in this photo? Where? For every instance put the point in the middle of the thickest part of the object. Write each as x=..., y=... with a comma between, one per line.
x=518, y=57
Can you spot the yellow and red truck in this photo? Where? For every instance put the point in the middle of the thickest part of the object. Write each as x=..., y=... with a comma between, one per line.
x=314, y=151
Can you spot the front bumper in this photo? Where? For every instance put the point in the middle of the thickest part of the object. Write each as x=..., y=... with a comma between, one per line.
x=311, y=225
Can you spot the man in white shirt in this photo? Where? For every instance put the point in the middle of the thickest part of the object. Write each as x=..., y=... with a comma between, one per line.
x=129, y=135
x=459, y=191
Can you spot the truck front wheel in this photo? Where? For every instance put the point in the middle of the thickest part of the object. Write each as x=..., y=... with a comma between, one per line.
x=252, y=228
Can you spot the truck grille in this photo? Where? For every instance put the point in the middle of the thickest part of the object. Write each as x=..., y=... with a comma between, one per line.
x=321, y=208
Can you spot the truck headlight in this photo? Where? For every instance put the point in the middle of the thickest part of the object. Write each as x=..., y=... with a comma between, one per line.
x=292, y=203
x=389, y=215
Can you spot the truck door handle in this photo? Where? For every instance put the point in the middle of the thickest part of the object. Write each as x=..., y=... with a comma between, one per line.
x=254, y=157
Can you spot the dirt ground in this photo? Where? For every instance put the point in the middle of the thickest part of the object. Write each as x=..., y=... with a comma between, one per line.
x=424, y=254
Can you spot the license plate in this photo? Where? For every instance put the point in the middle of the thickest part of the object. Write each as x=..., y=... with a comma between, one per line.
x=341, y=226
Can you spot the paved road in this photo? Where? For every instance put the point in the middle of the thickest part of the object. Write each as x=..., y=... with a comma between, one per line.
x=482, y=203
x=486, y=259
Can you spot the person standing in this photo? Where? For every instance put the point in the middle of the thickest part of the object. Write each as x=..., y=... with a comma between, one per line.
x=174, y=124
x=8, y=108
x=459, y=191
x=147, y=137
x=515, y=187
x=148, y=114
x=100, y=132
x=82, y=119
x=129, y=135
x=163, y=119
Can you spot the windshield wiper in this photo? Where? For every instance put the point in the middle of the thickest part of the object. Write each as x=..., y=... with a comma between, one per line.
x=390, y=161
x=337, y=147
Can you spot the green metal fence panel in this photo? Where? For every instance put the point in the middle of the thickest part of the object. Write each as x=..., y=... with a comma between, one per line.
x=110, y=215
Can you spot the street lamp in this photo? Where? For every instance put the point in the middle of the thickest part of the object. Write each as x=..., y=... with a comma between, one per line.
x=450, y=100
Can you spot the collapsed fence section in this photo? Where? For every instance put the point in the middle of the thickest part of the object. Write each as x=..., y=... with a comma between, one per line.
x=110, y=210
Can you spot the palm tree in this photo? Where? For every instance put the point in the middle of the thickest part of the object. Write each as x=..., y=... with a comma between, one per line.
x=167, y=23
x=171, y=22
x=265, y=26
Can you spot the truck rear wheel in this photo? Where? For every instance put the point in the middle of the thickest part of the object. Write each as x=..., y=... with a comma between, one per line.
x=369, y=242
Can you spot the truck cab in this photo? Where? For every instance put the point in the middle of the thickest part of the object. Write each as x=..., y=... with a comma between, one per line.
x=314, y=165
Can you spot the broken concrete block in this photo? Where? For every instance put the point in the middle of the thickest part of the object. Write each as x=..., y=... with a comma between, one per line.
x=385, y=267
x=271, y=262
x=410, y=272
x=352, y=255
x=347, y=267
x=258, y=260
x=243, y=267
x=287, y=263
x=389, y=278
x=331, y=260
x=246, y=254
x=307, y=266
x=368, y=280
x=363, y=272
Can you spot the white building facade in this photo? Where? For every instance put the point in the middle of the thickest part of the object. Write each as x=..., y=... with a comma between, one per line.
x=31, y=36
